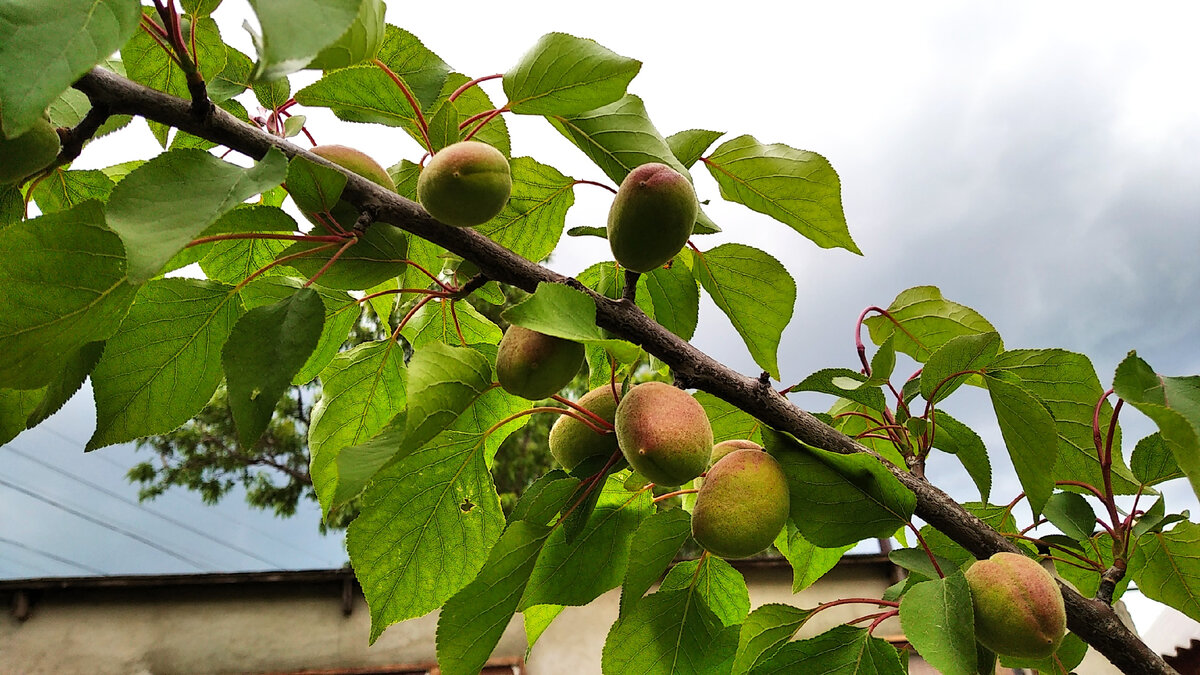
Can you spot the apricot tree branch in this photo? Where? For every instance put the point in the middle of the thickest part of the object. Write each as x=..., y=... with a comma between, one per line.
x=1092, y=620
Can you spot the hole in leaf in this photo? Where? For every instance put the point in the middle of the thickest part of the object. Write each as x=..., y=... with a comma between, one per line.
x=466, y=505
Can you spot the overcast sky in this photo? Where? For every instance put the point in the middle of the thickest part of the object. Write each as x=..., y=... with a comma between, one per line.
x=1039, y=163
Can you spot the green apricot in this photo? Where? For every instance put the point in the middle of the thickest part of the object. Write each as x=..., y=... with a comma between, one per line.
x=360, y=42
x=465, y=184
x=742, y=505
x=571, y=441
x=534, y=365
x=724, y=448
x=360, y=163
x=1019, y=607
x=28, y=153
x=651, y=217
x=664, y=433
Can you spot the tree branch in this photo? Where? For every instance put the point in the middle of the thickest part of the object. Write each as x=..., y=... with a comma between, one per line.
x=1093, y=621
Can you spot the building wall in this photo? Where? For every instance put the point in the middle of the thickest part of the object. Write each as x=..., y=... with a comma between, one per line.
x=252, y=624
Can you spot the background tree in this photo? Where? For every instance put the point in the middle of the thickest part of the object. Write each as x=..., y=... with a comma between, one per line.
x=415, y=443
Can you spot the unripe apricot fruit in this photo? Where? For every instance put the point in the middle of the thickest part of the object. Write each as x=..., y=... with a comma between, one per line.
x=742, y=505
x=572, y=441
x=534, y=365
x=664, y=433
x=724, y=448
x=651, y=217
x=465, y=184
x=1019, y=607
x=28, y=153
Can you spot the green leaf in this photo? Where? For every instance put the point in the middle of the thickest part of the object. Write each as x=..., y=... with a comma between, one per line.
x=272, y=94
x=73, y=105
x=1072, y=514
x=844, y=383
x=159, y=369
x=362, y=389
x=809, y=562
x=689, y=146
x=376, y=257
x=163, y=204
x=200, y=7
x=63, y=276
x=545, y=498
x=561, y=311
x=315, y=188
x=958, y=439
x=1153, y=462
x=939, y=377
x=765, y=630
x=1030, y=436
x=472, y=622
x=16, y=405
x=796, y=187
x=1068, y=386
x=49, y=45
x=566, y=75
x=670, y=632
x=722, y=588
x=66, y=383
x=917, y=561
x=295, y=31
x=12, y=206
x=883, y=363
x=728, y=422
x=842, y=650
x=266, y=348
x=361, y=94
x=1174, y=405
x=578, y=571
x=443, y=381
x=424, y=72
x=233, y=79
x=359, y=43
x=429, y=520
x=839, y=499
x=537, y=620
x=437, y=322
x=674, y=296
x=1063, y=662
x=1166, y=567
x=443, y=126
x=929, y=318
x=938, y=621
x=63, y=189
x=146, y=62
x=532, y=221
x=341, y=313
x=618, y=137
x=654, y=546
x=754, y=290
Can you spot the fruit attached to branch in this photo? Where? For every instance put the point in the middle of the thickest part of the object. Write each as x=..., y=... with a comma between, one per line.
x=534, y=365
x=742, y=505
x=1018, y=606
x=571, y=441
x=465, y=184
x=651, y=217
x=664, y=433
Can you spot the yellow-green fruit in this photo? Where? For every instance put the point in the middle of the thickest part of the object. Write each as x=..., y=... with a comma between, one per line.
x=742, y=506
x=534, y=365
x=360, y=42
x=360, y=163
x=28, y=153
x=651, y=217
x=1018, y=606
x=571, y=441
x=664, y=433
x=465, y=184
x=724, y=448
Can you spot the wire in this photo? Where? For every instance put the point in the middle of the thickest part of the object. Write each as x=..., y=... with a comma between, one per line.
x=109, y=526
x=126, y=500
x=226, y=516
x=72, y=563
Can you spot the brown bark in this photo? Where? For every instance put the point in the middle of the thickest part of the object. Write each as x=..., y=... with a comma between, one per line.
x=1093, y=621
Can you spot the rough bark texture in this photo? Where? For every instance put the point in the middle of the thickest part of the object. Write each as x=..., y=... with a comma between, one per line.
x=1092, y=620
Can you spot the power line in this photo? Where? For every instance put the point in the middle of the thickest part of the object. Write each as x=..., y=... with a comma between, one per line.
x=126, y=500
x=72, y=563
x=109, y=526
x=218, y=513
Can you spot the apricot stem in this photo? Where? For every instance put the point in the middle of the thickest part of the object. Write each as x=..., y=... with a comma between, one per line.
x=329, y=263
x=392, y=291
x=422, y=125
x=333, y=239
x=457, y=327
x=404, y=322
x=467, y=85
x=578, y=408
x=676, y=493
x=881, y=619
x=592, y=481
x=428, y=274
x=597, y=184
x=494, y=114
x=280, y=261
x=928, y=551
